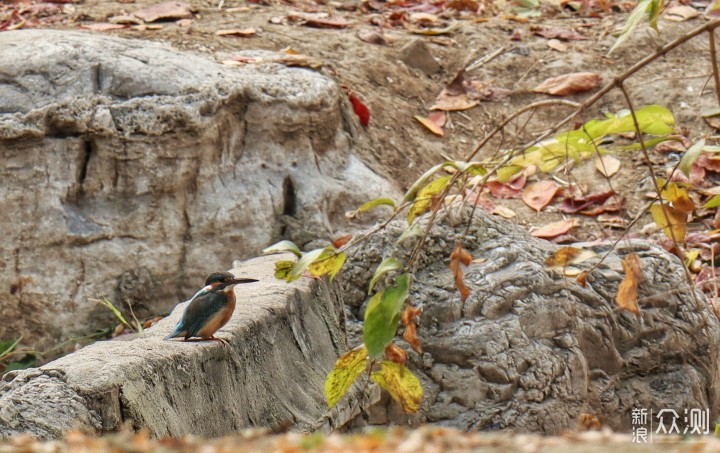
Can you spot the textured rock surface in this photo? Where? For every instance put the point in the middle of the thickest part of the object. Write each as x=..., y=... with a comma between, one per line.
x=530, y=350
x=284, y=339
x=132, y=170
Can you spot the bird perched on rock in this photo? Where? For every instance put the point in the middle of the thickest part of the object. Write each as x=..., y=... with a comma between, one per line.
x=210, y=308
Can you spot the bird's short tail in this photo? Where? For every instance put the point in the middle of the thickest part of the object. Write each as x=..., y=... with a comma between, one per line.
x=179, y=331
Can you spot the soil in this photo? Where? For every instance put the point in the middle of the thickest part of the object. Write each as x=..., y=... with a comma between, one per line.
x=394, y=143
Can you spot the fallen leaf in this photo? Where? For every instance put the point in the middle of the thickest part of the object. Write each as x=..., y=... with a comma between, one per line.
x=463, y=5
x=434, y=31
x=409, y=319
x=558, y=33
x=681, y=13
x=555, y=229
x=674, y=225
x=556, y=44
x=566, y=256
x=430, y=125
x=582, y=278
x=124, y=19
x=423, y=19
x=678, y=196
x=342, y=240
x=165, y=10
x=372, y=37
x=607, y=165
x=360, y=109
x=102, y=26
x=569, y=83
x=460, y=255
x=540, y=194
x=244, y=33
x=574, y=205
x=610, y=205
x=320, y=20
x=396, y=354
x=627, y=295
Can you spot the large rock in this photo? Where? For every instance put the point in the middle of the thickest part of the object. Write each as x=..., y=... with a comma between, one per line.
x=284, y=339
x=531, y=350
x=131, y=170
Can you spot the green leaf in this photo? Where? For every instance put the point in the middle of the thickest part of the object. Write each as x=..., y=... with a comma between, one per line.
x=420, y=182
x=400, y=383
x=8, y=346
x=369, y=205
x=424, y=198
x=304, y=261
x=387, y=265
x=634, y=19
x=283, y=246
x=413, y=230
x=690, y=156
x=283, y=268
x=345, y=372
x=382, y=316
x=714, y=202
x=655, y=120
x=505, y=173
x=328, y=264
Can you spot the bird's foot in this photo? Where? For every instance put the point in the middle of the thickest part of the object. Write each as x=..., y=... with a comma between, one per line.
x=221, y=340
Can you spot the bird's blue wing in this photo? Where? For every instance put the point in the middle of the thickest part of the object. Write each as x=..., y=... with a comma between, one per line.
x=202, y=310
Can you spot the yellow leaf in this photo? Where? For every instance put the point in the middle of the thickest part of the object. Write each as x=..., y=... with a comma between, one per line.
x=283, y=268
x=627, y=291
x=400, y=383
x=675, y=227
x=678, y=196
x=329, y=264
x=423, y=201
x=346, y=370
x=568, y=255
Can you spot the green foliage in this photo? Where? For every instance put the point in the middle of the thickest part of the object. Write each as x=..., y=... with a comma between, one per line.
x=137, y=327
x=383, y=314
x=283, y=246
x=319, y=262
x=387, y=265
x=369, y=205
x=425, y=195
x=645, y=9
x=585, y=141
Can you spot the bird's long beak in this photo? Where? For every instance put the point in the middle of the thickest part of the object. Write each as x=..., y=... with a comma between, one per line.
x=235, y=281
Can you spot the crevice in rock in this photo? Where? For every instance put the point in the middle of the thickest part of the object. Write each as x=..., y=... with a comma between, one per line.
x=289, y=197
x=88, y=149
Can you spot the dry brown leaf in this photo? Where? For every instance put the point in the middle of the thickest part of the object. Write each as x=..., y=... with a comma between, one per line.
x=568, y=255
x=244, y=33
x=409, y=319
x=575, y=82
x=372, y=37
x=558, y=45
x=123, y=19
x=555, y=229
x=627, y=295
x=166, y=10
x=681, y=13
x=342, y=240
x=558, y=33
x=582, y=278
x=460, y=255
x=430, y=125
x=396, y=354
x=540, y=194
x=607, y=165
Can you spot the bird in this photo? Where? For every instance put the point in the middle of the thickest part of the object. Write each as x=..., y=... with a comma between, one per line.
x=210, y=308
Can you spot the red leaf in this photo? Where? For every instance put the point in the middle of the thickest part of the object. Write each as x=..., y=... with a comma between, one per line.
x=360, y=110
x=540, y=194
x=574, y=205
x=555, y=229
x=342, y=240
x=569, y=83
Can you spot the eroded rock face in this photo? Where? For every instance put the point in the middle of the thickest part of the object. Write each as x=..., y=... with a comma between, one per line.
x=282, y=341
x=131, y=170
x=531, y=350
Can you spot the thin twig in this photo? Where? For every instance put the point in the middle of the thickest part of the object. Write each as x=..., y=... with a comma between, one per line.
x=713, y=59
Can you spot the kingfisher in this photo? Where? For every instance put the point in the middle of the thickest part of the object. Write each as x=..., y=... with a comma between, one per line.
x=210, y=308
